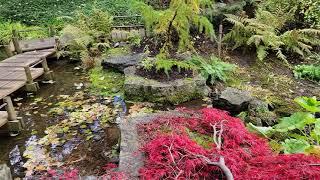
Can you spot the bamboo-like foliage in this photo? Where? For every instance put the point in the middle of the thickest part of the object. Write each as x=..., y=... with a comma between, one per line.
x=178, y=18
x=263, y=33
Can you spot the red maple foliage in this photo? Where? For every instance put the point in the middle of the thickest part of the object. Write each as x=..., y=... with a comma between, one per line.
x=172, y=154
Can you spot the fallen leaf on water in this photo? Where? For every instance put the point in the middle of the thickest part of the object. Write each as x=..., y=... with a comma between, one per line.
x=17, y=99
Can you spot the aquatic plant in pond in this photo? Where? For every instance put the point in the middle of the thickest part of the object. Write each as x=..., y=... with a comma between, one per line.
x=106, y=82
x=83, y=119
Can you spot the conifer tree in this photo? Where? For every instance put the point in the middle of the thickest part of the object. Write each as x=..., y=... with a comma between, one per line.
x=176, y=20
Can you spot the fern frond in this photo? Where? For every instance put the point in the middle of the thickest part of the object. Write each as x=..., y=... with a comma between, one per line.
x=281, y=56
x=262, y=52
x=236, y=20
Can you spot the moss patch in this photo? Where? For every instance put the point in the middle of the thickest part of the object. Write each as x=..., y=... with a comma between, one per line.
x=118, y=51
x=267, y=85
x=106, y=82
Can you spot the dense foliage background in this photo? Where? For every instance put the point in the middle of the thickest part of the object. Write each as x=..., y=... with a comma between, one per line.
x=39, y=12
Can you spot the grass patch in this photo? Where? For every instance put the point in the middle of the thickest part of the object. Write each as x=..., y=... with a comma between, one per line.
x=106, y=82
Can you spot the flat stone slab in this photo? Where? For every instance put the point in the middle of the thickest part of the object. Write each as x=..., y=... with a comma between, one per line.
x=122, y=61
x=5, y=173
x=131, y=159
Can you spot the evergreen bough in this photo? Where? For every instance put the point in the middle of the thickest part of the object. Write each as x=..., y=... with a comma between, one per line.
x=176, y=20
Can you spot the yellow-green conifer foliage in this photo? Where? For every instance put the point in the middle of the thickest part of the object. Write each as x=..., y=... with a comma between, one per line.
x=177, y=19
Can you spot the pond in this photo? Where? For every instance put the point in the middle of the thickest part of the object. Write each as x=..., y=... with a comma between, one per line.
x=34, y=107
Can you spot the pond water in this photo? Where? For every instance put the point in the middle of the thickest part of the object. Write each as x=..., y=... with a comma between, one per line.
x=34, y=108
x=65, y=77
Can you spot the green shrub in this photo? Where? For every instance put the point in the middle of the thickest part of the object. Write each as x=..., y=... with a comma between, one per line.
x=166, y=65
x=291, y=10
x=88, y=36
x=175, y=22
x=40, y=12
x=300, y=132
x=311, y=72
x=6, y=28
x=213, y=69
x=36, y=12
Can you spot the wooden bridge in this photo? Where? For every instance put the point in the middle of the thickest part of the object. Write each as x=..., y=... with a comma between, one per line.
x=20, y=70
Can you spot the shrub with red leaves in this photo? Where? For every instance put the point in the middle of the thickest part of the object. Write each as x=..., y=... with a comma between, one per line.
x=172, y=154
x=112, y=174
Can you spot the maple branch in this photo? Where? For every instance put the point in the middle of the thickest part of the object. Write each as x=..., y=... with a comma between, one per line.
x=78, y=160
x=180, y=172
x=221, y=164
x=217, y=138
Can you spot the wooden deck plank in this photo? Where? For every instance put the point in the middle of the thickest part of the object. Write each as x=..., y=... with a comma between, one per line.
x=19, y=74
x=8, y=86
x=37, y=44
x=12, y=72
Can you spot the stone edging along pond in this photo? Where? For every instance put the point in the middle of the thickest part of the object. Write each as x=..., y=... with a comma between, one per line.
x=131, y=159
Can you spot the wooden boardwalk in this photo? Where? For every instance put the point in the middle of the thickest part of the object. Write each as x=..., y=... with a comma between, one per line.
x=20, y=71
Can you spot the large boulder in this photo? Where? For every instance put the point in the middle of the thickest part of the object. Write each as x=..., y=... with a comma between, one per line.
x=232, y=100
x=121, y=62
x=138, y=88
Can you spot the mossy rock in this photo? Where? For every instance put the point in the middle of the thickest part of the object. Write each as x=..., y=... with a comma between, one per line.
x=173, y=92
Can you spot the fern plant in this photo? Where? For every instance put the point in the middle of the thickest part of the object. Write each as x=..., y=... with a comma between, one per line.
x=87, y=36
x=263, y=33
x=177, y=19
x=213, y=69
x=167, y=65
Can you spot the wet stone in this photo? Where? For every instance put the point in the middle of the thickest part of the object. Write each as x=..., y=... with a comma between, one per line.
x=5, y=173
x=232, y=100
x=122, y=61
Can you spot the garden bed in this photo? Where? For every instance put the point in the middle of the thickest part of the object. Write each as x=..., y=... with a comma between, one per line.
x=161, y=76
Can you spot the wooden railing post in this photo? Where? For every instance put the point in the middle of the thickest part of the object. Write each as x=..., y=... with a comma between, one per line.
x=15, y=40
x=57, y=43
x=28, y=74
x=12, y=115
x=30, y=85
x=8, y=51
x=220, y=40
x=14, y=125
x=48, y=75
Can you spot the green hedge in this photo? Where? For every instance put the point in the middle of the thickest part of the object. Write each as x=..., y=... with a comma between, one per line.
x=42, y=12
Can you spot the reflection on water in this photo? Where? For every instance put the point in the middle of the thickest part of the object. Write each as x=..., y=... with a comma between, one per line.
x=35, y=114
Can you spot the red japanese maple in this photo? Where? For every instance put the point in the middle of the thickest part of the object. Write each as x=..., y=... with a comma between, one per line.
x=172, y=154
